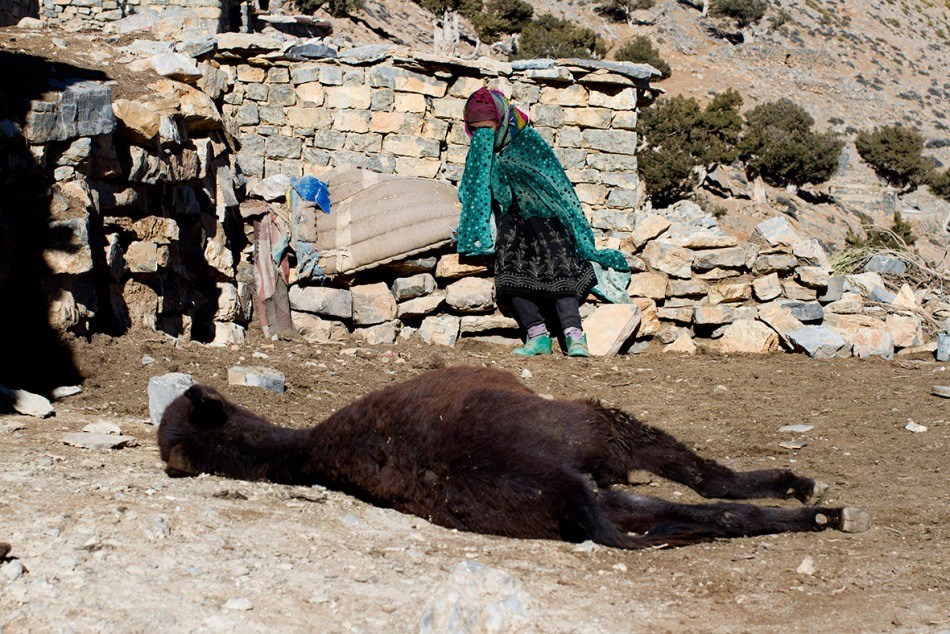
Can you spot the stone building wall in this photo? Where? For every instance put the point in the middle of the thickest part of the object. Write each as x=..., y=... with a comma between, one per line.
x=96, y=13
x=403, y=116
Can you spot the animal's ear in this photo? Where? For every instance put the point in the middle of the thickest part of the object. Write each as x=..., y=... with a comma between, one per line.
x=207, y=408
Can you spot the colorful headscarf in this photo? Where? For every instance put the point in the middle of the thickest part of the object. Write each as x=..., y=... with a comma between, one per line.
x=491, y=105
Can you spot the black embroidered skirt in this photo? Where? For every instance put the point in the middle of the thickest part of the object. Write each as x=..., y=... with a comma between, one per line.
x=536, y=257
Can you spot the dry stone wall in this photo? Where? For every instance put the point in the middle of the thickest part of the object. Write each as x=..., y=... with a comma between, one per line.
x=398, y=115
x=97, y=13
x=131, y=205
x=150, y=203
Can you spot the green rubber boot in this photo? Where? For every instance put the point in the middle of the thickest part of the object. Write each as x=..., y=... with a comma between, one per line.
x=577, y=347
x=534, y=347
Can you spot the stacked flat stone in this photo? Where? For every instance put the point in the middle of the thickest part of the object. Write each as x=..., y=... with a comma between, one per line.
x=403, y=116
x=97, y=13
x=151, y=183
x=775, y=290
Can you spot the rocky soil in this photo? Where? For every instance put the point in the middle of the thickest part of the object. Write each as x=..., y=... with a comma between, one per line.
x=104, y=541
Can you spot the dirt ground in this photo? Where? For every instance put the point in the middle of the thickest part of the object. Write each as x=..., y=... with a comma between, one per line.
x=110, y=543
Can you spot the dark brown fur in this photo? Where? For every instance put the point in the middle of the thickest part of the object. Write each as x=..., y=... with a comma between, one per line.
x=474, y=449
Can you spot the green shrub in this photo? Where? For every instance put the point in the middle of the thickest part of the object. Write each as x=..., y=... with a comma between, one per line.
x=640, y=50
x=502, y=16
x=744, y=12
x=781, y=147
x=680, y=135
x=336, y=8
x=940, y=184
x=550, y=36
x=896, y=154
x=779, y=20
x=619, y=10
x=721, y=129
x=467, y=8
x=876, y=239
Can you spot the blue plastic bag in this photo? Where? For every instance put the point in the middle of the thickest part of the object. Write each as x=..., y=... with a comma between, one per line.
x=312, y=189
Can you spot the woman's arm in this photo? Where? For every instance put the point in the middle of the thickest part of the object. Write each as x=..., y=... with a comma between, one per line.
x=475, y=235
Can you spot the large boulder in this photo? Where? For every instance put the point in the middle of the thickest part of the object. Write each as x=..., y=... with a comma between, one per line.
x=82, y=108
x=373, y=304
x=471, y=295
x=609, y=327
x=819, y=342
x=873, y=342
x=774, y=233
x=672, y=260
x=748, y=336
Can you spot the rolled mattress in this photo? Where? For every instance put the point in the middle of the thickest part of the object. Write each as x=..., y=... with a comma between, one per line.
x=387, y=221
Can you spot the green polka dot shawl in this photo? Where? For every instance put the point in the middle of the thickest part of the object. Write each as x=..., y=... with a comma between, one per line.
x=528, y=170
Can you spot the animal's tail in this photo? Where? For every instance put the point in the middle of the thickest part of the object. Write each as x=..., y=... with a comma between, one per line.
x=201, y=432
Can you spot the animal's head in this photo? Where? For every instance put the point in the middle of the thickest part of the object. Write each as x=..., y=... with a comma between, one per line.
x=188, y=428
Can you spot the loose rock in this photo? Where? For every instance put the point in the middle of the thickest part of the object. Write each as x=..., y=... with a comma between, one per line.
x=164, y=389
x=66, y=390
x=99, y=441
x=807, y=567
x=257, y=376
x=27, y=403
x=477, y=598
x=12, y=570
x=799, y=429
x=242, y=603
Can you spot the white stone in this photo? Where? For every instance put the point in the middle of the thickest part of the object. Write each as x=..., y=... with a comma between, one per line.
x=481, y=323
x=414, y=286
x=442, y=330
x=380, y=334
x=649, y=285
x=873, y=342
x=748, y=336
x=811, y=253
x=87, y=440
x=477, y=598
x=317, y=330
x=780, y=319
x=420, y=306
x=257, y=376
x=471, y=295
x=683, y=344
x=905, y=331
x=176, y=66
x=322, y=300
x=228, y=333
x=609, y=327
x=27, y=403
x=775, y=232
x=670, y=259
x=906, y=299
x=164, y=389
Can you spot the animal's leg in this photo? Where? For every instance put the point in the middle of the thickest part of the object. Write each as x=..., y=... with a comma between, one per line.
x=634, y=445
x=586, y=516
x=674, y=524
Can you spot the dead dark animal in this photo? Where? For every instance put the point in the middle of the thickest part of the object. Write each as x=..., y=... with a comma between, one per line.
x=474, y=449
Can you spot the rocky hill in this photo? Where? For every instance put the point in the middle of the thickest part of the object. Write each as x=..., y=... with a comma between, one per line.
x=852, y=65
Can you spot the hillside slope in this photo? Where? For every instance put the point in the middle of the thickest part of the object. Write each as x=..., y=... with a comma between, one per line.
x=853, y=65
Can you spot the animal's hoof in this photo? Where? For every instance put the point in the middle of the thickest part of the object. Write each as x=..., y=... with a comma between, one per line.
x=855, y=520
x=818, y=494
